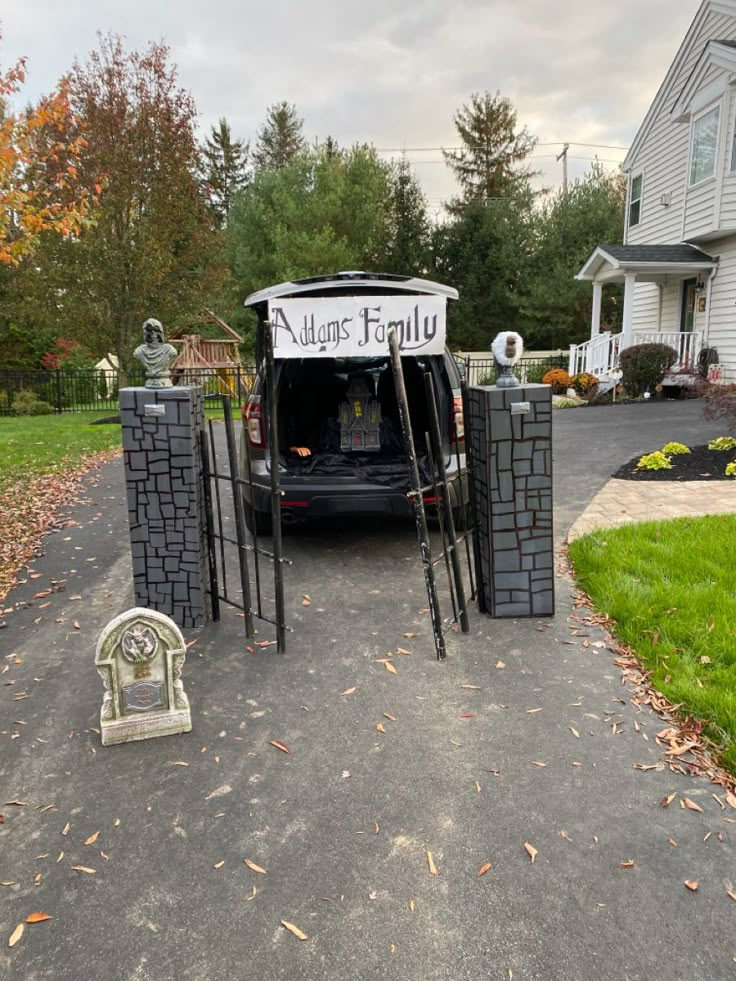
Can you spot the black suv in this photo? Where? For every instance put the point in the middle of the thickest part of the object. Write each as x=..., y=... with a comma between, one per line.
x=318, y=401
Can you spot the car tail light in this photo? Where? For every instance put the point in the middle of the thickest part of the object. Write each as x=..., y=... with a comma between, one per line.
x=253, y=420
x=457, y=421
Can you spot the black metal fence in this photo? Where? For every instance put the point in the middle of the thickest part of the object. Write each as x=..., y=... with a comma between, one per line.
x=24, y=392
x=482, y=371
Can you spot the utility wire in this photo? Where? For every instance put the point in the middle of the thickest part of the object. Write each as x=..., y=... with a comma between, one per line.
x=481, y=146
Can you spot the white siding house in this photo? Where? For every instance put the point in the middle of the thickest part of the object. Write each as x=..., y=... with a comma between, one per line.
x=678, y=259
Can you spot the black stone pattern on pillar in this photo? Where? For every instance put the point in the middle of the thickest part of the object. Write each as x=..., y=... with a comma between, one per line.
x=164, y=481
x=513, y=487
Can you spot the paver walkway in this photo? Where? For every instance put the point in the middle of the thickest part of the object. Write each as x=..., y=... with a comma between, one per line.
x=622, y=502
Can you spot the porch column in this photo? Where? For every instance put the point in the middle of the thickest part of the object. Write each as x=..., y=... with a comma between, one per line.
x=628, y=321
x=595, y=320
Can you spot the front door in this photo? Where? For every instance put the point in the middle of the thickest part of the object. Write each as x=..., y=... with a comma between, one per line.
x=687, y=306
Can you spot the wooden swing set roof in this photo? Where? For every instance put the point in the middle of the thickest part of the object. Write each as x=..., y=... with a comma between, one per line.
x=206, y=352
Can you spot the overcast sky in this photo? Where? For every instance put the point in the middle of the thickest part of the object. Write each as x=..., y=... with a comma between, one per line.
x=582, y=71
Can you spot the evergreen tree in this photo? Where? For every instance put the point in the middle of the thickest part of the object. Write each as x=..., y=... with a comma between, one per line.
x=224, y=168
x=410, y=230
x=280, y=138
x=568, y=227
x=485, y=252
x=487, y=164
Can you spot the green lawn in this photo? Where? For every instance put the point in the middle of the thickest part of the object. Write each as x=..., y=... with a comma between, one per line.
x=34, y=445
x=671, y=588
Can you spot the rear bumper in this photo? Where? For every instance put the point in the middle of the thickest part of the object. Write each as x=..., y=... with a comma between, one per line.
x=300, y=501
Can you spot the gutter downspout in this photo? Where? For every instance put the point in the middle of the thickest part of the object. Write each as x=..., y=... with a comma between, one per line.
x=708, y=294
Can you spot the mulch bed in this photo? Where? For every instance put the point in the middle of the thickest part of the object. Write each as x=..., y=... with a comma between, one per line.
x=700, y=464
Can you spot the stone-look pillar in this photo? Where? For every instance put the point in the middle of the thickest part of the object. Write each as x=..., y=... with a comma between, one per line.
x=163, y=475
x=511, y=440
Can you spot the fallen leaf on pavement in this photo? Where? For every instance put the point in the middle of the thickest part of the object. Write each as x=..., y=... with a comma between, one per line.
x=389, y=667
x=409, y=634
x=432, y=866
x=500, y=665
x=294, y=929
x=66, y=829
x=531, y=851
x=538, y=763
x=16, y=935
x=731, y=894
x=348, y=691
x=691, y=805
x=574, y=731
x=306, y=601
x=400, y=650
x=391, y=718
x=731, y=798
x=178, y=763
x=37, y=917
x=668, y=800
x=252, y=895
x=692, y=885
x=83, y=868
x=628, y=864
x=473, y=687
x=254, y=867
x=218, y=865
x=532, y=711
x=92, y=838
x=411, y=905
x=379, y=727
x=483, y=869
x=76, y=626
x=281, y=746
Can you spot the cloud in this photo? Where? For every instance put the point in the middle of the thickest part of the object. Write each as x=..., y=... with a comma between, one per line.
x=383, y=73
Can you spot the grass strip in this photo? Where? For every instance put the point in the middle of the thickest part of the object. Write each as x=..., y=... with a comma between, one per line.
x=670, y=586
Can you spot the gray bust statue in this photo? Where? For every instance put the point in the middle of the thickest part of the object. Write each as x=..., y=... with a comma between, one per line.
x=155, y=355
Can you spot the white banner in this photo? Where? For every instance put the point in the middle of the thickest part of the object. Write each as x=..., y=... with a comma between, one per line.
x=356, y=326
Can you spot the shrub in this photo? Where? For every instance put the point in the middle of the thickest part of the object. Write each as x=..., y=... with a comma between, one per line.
x=723, y=443
x=27, y=403
x=644, y=365
x=673, y=449
x=731, y=469
x=584, y=383
x=720, y=404
x=654, y=461
x=559, y=379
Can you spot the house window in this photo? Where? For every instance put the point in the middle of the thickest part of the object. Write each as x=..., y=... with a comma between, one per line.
x=704, y=146
x=635, y=200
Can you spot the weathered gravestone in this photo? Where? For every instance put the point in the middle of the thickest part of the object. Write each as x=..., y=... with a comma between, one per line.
x=140, y=656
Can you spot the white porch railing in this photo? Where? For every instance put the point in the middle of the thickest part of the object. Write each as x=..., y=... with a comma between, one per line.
x=597, y=356
x=600, y=355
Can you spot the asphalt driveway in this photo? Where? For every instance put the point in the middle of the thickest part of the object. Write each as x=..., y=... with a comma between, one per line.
x=512, y=742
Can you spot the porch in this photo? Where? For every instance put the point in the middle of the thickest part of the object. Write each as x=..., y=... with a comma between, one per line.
x=679, y=271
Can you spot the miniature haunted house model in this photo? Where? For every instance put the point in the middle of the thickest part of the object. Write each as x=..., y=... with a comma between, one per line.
x=360, y=417
x=218, y=358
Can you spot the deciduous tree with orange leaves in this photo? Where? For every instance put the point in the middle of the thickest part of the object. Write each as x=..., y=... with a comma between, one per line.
x=40, y=152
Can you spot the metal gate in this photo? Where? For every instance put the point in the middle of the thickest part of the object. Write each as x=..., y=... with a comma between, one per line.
x=438, y=491
x=224, y=499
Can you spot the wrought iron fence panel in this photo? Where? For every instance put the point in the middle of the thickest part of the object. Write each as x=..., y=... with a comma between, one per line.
x=96, y=389
x=482, y=371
